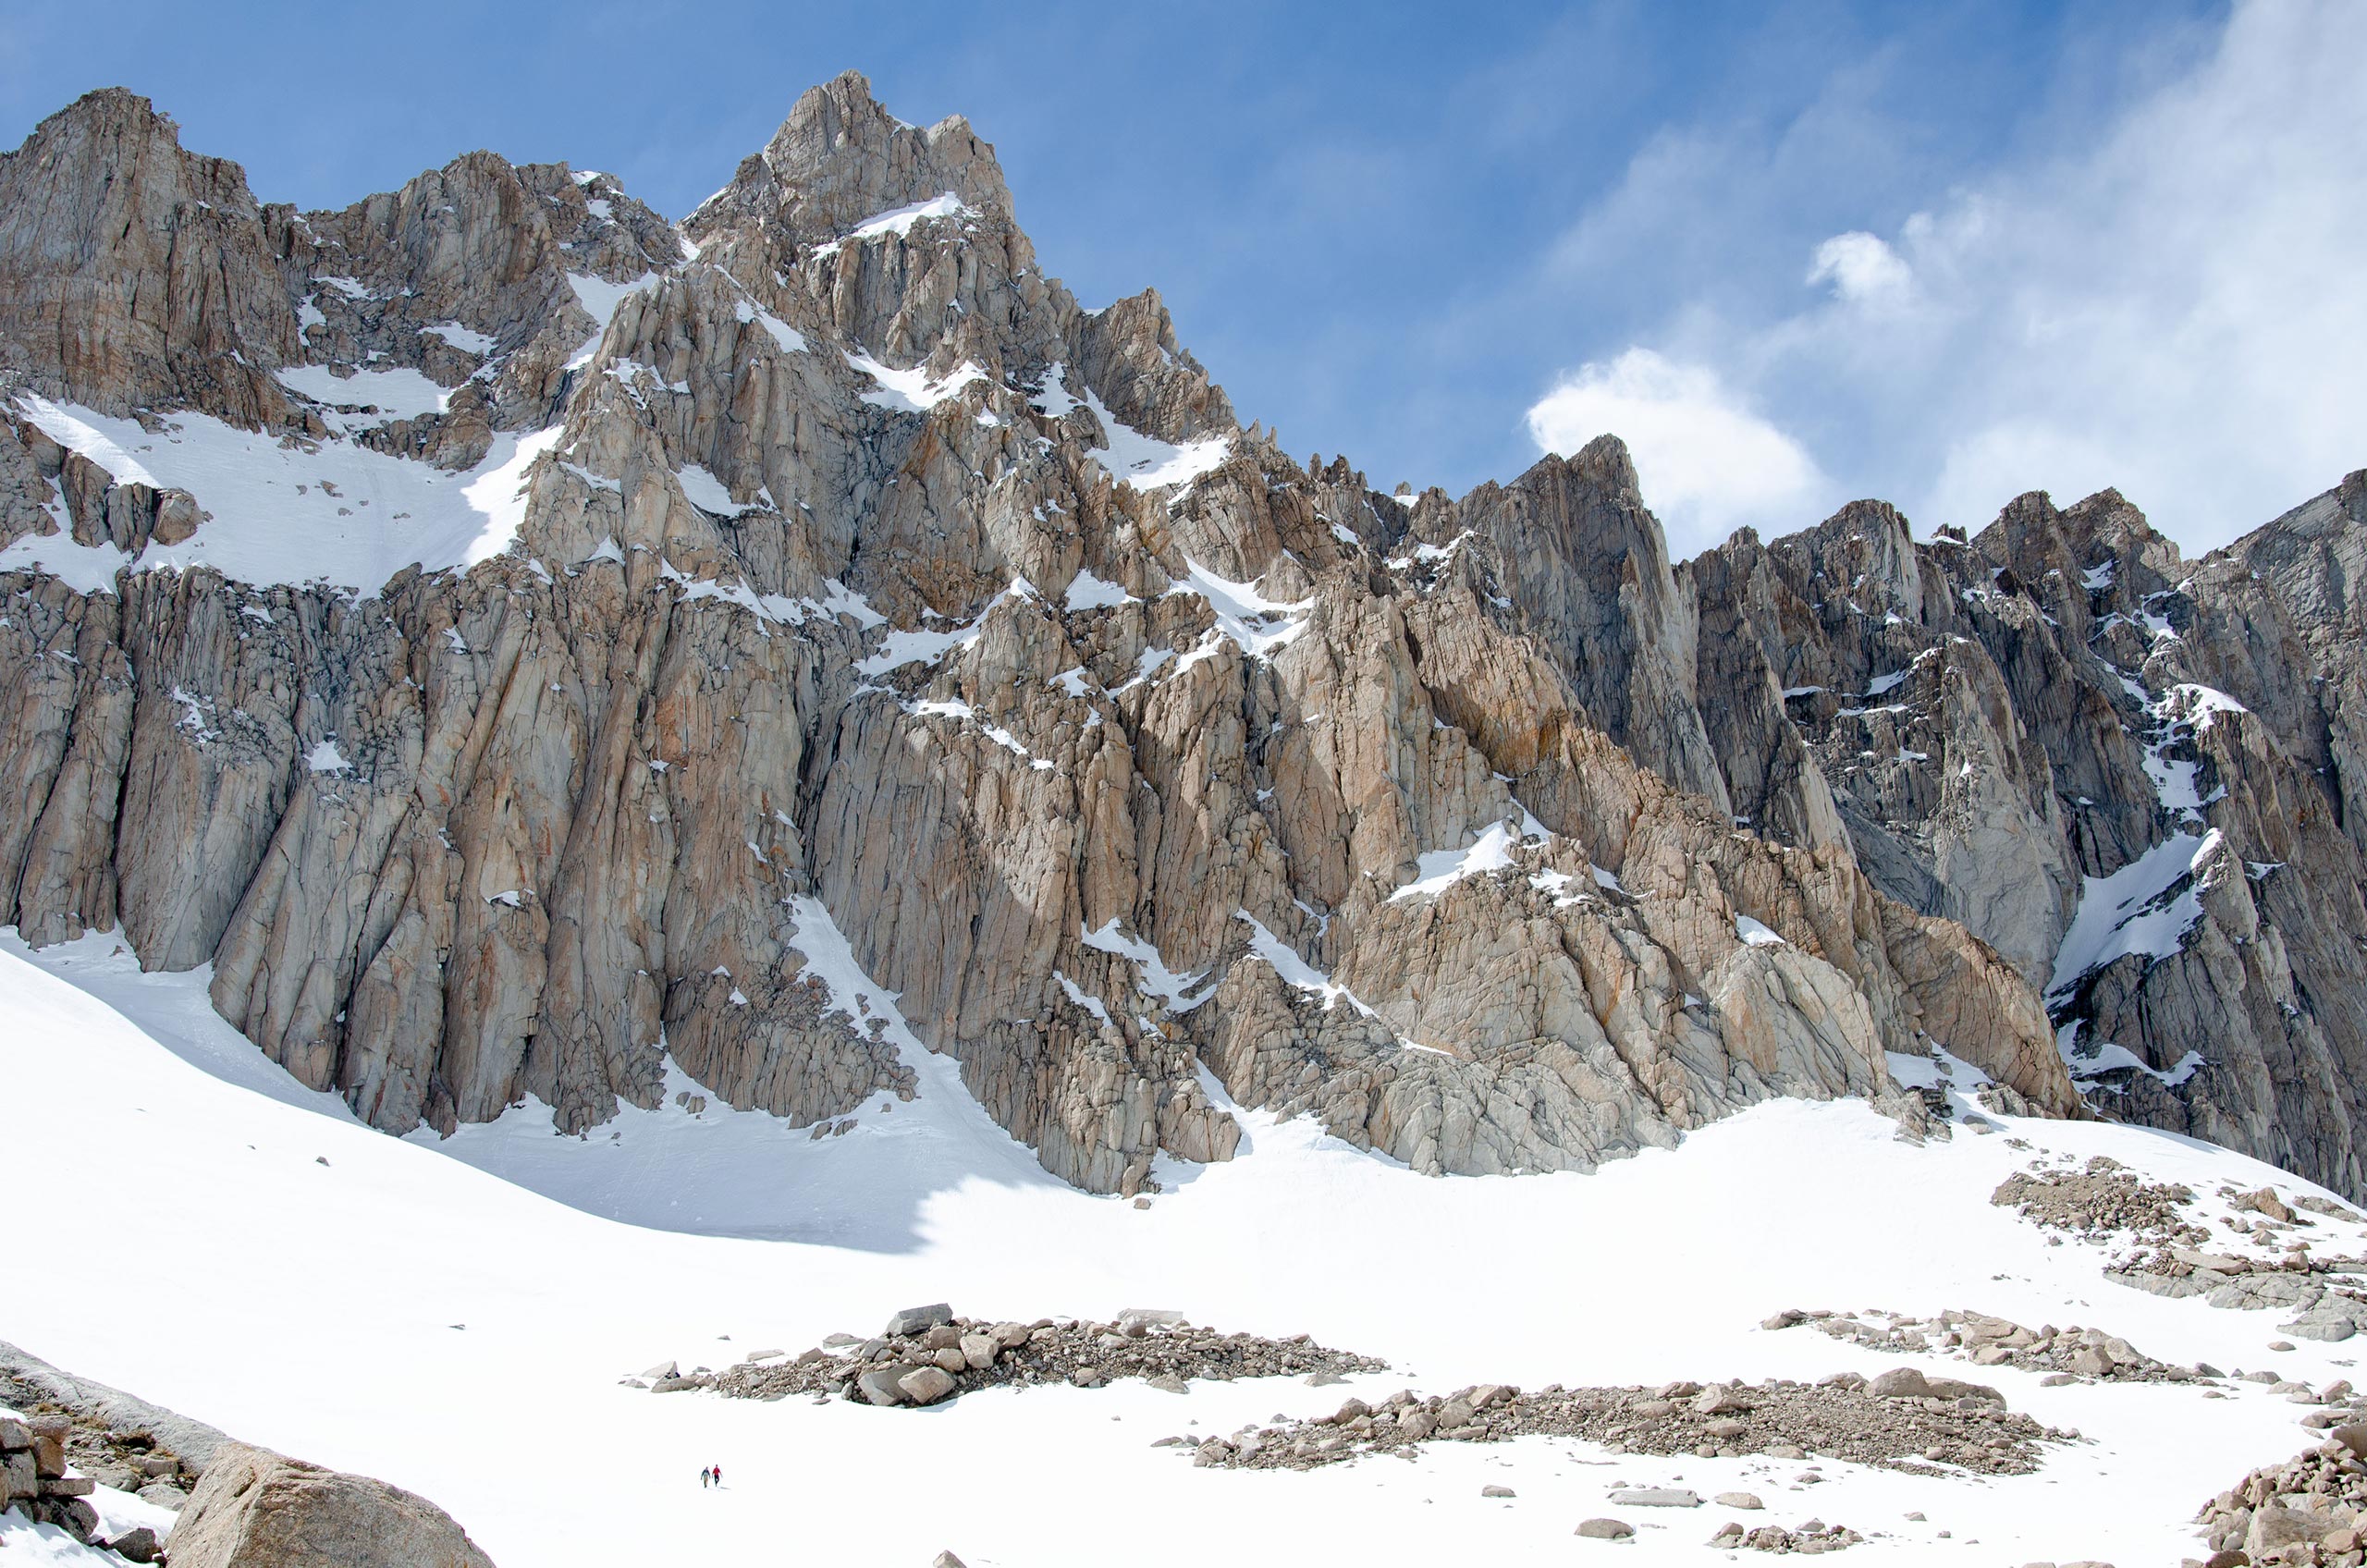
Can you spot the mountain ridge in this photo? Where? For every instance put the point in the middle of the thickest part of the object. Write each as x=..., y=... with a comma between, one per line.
x=1475, y=827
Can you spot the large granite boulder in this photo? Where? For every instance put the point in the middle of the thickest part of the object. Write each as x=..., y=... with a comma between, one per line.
x=257, y=1509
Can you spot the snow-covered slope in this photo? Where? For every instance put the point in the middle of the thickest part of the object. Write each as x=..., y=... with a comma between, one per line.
x=257, y=1259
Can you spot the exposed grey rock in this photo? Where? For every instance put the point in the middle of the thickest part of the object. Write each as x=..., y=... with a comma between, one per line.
x=1606, y=1529
x=138, y=1544
x=919, y=1320
x=885, y=1385
x=257, y=1509
x=26, y=1379
x=925, y=1385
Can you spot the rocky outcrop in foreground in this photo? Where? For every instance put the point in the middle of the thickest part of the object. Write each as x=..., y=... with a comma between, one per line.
x=117, y=1439
x=2306, y=1510
x=257, y=1509
x=35, y=1476
x=517, y=642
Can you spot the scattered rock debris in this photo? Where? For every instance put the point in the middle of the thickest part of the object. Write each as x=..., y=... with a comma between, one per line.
x=928, y=1355
x=1815, y=1536
x=1900, y=1421
x=2068, y=1354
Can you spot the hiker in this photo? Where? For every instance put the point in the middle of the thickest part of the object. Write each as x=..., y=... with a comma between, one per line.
x=719, y=1475
x=706, y=1479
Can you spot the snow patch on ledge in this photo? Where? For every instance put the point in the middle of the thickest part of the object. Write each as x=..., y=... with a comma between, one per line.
x=1296, y=971
x=1259, y=624
x=398, y=393
x=283, y=512
x=1157, y=978
x=709, y=494
x=1145, y=461
x=2147, y=907
x=2107, y=1056
x=899, y=221
x=1087, y=592
x=911, y=391
x=1439, y=869
x=600, y=299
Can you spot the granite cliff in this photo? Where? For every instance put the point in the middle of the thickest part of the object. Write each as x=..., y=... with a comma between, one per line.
x=515, y=641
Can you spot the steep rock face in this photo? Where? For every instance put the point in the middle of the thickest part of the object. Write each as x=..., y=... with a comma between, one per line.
x=133, y=274
x=2131, y=773
x=594, y=644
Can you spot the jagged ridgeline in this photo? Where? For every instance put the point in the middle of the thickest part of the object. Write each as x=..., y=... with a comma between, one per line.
x=514, y=640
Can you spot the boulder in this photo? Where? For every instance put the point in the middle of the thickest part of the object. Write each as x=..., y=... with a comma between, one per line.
x=1657, y=1497
x=925, y=1385
x=1747, y=1501
x=2273, y=1526
x=882, y=1385
x=136, y=1545
x=1606, y=1529
x=255, y=1508
x=1900, y=1383
x=917, y=1321
x=1498, y=1491
x=978, y=1351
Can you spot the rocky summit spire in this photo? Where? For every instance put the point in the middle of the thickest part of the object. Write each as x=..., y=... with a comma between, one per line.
x=133, y=272
x=840, y=159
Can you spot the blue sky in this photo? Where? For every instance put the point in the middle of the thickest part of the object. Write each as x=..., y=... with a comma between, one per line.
x=1796, y=253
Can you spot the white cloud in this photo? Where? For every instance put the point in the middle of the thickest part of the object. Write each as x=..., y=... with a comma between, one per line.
x=2173, y=304
x=2179, y=314
x=1707, y=463
x=1862, y=268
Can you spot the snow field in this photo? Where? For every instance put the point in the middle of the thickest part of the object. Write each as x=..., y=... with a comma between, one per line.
x=304, y=1278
